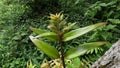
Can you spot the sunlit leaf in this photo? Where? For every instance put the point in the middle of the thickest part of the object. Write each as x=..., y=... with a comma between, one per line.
x=38, y=31
x=80, y=50
x=45, y=47
x=49, y=35
x=80, y=31
x=46, y=34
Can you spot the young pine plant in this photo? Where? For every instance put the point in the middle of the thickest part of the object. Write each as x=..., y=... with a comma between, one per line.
x=61, y=33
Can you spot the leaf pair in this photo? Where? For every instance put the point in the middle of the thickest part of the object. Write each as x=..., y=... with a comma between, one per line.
x=52, y=52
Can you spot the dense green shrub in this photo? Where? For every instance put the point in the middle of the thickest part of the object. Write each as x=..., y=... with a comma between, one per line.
x=11, y=11
x=13, y=35
x=16, y=17
x=106, y=11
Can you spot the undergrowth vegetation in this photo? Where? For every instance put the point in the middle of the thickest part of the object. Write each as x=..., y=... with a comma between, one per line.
x=16, y=16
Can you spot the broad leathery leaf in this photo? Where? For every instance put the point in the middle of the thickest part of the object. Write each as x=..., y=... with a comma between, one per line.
x=49, y=35
x=49, y=50
x=80, y=31
x=46, y=34
x=80, y=50
x=38, y=31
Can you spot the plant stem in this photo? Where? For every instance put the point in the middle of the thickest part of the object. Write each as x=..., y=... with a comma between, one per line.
x=61, y=50
x=62, y=57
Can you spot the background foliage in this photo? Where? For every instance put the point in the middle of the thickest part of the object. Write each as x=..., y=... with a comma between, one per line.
x=16, y=16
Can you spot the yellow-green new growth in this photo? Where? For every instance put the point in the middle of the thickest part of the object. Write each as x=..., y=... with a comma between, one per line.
x=58, y=23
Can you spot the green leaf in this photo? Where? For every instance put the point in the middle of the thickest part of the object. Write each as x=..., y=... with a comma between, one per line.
x=49, y=35
x=110, y=26
x=103, y=4
x=80, y=50
x=106, y=35
x=76, y=62
x=38, y=31
x=45, y=47
x=80, y=31
x=46, y=34
x=114, y=21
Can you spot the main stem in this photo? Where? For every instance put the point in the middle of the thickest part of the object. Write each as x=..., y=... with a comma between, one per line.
x=61, y=50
